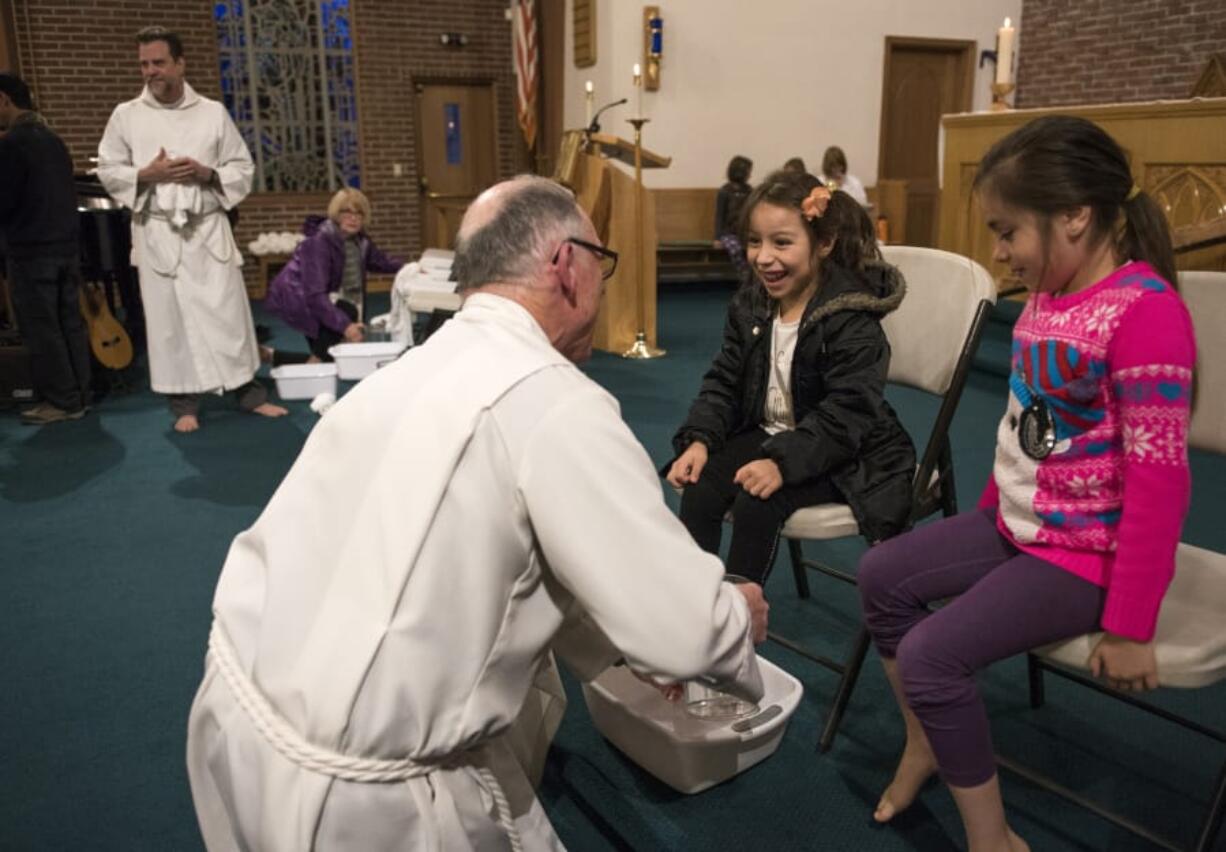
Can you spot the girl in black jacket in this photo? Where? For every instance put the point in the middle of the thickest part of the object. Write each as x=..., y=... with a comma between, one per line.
x=792, y=412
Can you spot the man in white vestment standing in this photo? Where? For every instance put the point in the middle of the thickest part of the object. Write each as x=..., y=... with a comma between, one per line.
x=454, y=518
x=177, y=160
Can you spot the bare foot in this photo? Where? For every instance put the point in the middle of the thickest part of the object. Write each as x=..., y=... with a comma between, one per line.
x=1016, y=844
x=314, y=360
x=915, y=767
x=187, y=423
x=267, y=409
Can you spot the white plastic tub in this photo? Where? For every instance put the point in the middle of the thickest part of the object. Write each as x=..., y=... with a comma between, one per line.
x=356, y=361
x=304, y=381
x=687, y=753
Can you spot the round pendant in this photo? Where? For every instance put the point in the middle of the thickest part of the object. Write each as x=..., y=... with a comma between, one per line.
x=1036, y=433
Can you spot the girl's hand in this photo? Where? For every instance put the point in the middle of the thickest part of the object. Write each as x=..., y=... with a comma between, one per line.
x=760, y=478
x=354, y=332
x=1126, y=664
x=688, y=466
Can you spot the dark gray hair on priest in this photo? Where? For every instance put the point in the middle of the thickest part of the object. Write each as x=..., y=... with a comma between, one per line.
x=535, y=214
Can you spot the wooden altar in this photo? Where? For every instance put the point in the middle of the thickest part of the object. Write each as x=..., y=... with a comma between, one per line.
x=1178, y=155
x=608, y=195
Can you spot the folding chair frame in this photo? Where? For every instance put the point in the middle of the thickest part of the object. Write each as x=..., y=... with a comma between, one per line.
x=1217, y=803
x=926, y=499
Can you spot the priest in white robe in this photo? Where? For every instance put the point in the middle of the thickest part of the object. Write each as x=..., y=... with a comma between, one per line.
x=454, y=518
x=178, y=162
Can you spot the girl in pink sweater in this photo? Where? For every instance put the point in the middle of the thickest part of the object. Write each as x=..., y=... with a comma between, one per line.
x=1077, y=529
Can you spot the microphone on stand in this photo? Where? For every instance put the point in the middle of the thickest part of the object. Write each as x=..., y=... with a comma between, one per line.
x=594, y=127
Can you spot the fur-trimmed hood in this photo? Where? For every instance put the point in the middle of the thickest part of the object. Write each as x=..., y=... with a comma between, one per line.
x=877, y=288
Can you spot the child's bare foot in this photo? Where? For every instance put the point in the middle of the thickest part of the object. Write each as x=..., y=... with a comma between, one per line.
x=187, y=423
x=915, y=767
x=314, y=359
x=267, y=409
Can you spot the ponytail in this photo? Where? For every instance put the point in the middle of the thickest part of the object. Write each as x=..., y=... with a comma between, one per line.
x=855, y=238
x=1145, y=236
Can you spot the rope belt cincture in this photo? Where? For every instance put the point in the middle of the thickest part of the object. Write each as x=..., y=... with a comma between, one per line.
x=294, y=747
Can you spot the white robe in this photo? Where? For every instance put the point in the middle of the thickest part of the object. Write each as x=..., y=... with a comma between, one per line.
x=197, y=317
x=453, y=518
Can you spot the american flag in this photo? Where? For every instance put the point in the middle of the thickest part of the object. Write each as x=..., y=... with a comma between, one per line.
x=527, y=58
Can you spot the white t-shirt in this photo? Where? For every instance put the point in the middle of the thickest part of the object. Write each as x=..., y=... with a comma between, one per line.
x=778, y=414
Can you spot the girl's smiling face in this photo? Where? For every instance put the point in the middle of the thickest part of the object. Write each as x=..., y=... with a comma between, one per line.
x=780, y=251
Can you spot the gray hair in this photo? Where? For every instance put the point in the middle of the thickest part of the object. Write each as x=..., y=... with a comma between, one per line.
x=514, y=241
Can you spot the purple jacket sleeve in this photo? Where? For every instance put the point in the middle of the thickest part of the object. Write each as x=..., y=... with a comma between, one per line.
x=377, y=261
x=319, y=278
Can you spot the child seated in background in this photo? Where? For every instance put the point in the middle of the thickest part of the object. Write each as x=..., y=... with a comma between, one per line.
x=729, y=204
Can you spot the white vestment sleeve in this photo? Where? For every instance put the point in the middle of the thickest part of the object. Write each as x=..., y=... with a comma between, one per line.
x=115, y=167
x=235, y=169
x=602, y=525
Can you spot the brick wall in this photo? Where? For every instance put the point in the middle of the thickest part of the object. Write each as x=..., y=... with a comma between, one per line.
x=81, y=60
x=1106, y=51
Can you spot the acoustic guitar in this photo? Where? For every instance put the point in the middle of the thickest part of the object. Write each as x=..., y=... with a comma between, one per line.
x=107, y=338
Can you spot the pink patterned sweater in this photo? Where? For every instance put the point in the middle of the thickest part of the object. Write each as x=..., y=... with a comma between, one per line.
x=1113, y=364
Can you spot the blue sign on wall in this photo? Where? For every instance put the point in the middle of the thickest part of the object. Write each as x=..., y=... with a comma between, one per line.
x=451, y=124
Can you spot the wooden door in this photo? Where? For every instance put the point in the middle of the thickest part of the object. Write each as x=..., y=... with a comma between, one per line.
x=924, y=79
x=457, y=158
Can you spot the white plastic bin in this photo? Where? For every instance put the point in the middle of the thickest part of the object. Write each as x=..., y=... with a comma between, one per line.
x=356, y=361
x=687, y=753
x=304, y=381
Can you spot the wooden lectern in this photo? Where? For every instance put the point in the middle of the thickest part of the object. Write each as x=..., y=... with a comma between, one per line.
x=608, y=195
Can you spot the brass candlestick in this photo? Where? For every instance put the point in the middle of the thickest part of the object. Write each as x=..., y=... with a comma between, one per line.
x=641, y=350
x=999, y=92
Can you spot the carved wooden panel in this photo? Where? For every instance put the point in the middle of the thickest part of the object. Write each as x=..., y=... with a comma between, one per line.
x=1188, y=194
x=584, y=21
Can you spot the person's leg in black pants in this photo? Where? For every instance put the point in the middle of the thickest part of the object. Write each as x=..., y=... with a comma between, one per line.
x=45, y=299
x=756, y=523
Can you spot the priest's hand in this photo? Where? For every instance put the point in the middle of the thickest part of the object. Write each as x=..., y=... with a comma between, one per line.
x=159, y=170
x=758, y=608
x=355, y=332
x=1126, y=664
x=688, y=466
x=761, y=478
x=187, y=170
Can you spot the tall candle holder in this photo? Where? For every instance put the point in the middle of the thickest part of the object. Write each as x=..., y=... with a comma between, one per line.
x=641, y=350
x=1000, y=91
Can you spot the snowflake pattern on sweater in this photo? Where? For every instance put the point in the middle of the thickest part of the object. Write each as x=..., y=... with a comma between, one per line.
x=1102, y=418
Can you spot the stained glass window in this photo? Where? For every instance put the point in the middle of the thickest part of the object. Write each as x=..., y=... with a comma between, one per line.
x=287, y=79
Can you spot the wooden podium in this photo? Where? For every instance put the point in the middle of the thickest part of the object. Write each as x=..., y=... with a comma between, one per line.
x=608, y=195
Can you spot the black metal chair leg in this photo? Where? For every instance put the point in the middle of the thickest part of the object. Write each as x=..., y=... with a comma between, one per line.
x=847, y=683
x=1213, y=819
x=798, y=568
x=1037, y=692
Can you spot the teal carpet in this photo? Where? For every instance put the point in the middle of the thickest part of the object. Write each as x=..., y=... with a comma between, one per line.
x=113, y=529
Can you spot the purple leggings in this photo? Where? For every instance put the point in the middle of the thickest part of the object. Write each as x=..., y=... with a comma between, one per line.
x=1004, y=602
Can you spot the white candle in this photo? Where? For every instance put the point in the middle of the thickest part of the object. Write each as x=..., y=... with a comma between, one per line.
x=638, y=90
x=589, y=96
x=1004, y=52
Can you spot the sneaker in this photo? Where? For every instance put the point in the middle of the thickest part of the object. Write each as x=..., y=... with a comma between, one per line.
x=45, y=413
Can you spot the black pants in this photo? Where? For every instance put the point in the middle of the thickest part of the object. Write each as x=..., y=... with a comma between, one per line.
x=756, y=523
x=45, y=298
x=249, y=397
x=324, y=340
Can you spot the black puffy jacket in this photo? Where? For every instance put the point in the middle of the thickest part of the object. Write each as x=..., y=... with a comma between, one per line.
x=844, y=427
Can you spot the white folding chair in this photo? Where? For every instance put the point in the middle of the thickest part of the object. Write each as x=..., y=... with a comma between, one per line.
x=1190, y=641
x=933, y=337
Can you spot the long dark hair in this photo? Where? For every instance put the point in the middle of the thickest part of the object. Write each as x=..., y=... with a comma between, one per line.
x=844, y=222
x=1060, y=162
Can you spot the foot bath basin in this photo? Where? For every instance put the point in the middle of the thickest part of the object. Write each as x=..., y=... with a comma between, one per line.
x=688, y=753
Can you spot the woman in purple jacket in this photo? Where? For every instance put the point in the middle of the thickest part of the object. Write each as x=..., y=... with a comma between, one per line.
x=322, y=290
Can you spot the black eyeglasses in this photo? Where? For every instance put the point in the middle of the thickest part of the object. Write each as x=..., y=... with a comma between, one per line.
x=606, y=257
